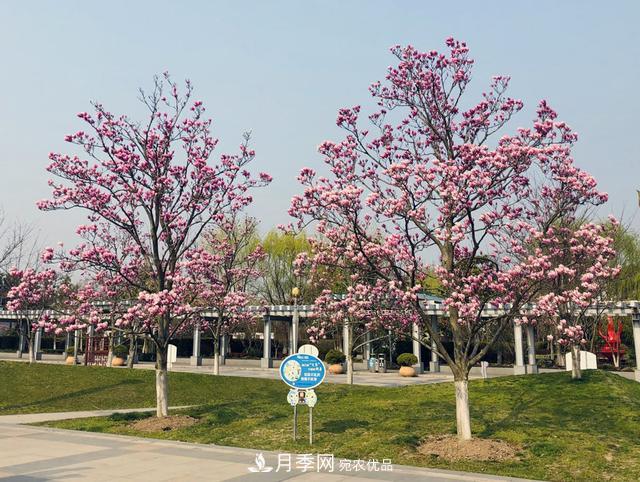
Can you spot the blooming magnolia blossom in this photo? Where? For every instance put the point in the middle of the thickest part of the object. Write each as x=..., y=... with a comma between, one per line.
x=428, y=179
x=31, y=297
x=221, y=271
x=150, y=190
x=583, y=261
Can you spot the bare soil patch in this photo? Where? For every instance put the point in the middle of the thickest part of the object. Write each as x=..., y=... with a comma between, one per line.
x=450, y=448
x=165, y=424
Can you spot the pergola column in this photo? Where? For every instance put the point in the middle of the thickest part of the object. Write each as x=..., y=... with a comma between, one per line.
x=224, y=348
x=434, y=364
x=295, y=325
x=20, y=340
x=635, y=319
x=519, y=368
x=266, y=361
x=532, y=366
x=37, y=344
x=196, y=357
x=416, y=333
x=76, y=343
x=367, y=347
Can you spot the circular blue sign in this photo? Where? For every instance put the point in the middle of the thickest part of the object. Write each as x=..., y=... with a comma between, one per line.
x=302, y=371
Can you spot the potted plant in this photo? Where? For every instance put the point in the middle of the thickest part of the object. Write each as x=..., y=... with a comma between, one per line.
x=119, y=355
x=70, y=360
x=406, y=362
x=335, y=359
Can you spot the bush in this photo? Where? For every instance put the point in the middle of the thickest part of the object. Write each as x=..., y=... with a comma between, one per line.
x=334, y=356
x=407, y=359
x=147, y=357
x=120, y=351
x=69, y=351
x=324, y=346
x=253, y=352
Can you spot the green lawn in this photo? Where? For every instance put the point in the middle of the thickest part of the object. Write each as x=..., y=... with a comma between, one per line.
x=588, y=430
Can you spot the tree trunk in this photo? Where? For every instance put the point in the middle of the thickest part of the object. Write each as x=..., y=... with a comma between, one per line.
x=162, y=383
x=216, y=356
x=110, y=354
x=32, y=353
x=576, y=372
x=616, y=360
x=463, y=420
x=349, y=368
x=133, y=345
x=559, y=357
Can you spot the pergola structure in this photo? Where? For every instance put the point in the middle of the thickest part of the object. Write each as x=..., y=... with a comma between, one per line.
x=434, y=308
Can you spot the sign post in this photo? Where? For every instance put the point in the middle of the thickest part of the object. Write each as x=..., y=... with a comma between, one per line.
x=172, y=356
x=295, y=421
x=302, y=372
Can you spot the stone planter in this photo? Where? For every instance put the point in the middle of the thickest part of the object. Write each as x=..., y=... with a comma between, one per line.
x=117, y=361
x=70, y=360
x=407, y=372
x=336, y=369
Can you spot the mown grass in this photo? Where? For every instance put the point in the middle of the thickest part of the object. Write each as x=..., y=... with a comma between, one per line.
x=587, y=430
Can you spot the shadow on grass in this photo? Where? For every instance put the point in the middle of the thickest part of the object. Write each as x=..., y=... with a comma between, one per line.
x=339, y=426
x=546, y=402
x=72, y=395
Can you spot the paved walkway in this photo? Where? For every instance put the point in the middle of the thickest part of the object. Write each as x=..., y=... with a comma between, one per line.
x=361, y=377
x=40, y=453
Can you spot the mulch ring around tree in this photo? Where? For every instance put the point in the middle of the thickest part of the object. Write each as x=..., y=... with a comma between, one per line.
x=164, y=424
x=449, y=447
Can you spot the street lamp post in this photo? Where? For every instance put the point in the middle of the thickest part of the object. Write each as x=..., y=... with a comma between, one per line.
x=295, y=320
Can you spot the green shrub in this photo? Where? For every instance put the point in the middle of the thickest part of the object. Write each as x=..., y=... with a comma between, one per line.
x=120, y=351
x=407, y=359
x=324, y=346
x=69, y=351
x=334, y=356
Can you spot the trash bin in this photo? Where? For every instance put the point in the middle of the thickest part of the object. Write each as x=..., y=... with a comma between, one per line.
x=382, y=364
x=372, y=364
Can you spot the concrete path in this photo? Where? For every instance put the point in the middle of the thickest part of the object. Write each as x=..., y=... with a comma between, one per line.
x=361, y=376
x=39, y=453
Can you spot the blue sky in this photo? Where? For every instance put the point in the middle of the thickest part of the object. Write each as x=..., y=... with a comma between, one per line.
x=282, y=69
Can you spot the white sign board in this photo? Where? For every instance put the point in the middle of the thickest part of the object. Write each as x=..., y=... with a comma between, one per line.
x=172, y=356
x=588, y=361
x=309, y=350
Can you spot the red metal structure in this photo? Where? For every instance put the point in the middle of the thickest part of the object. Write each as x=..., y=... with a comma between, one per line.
x=612, y=348
x=96, y=350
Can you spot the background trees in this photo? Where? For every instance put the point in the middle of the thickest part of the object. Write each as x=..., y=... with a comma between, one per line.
x=221, y=273
x=278, y=275
x=32, y=294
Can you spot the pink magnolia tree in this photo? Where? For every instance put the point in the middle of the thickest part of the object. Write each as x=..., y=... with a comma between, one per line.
x=98, y=304
x=432, y=179
x=31, y=297
x=358, y=307
x=221, y=273
x=582, y=264
x=358, y=314
x=155, y=184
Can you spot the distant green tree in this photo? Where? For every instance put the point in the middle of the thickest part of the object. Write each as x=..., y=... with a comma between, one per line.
x=627, y=284
x=279, y=277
